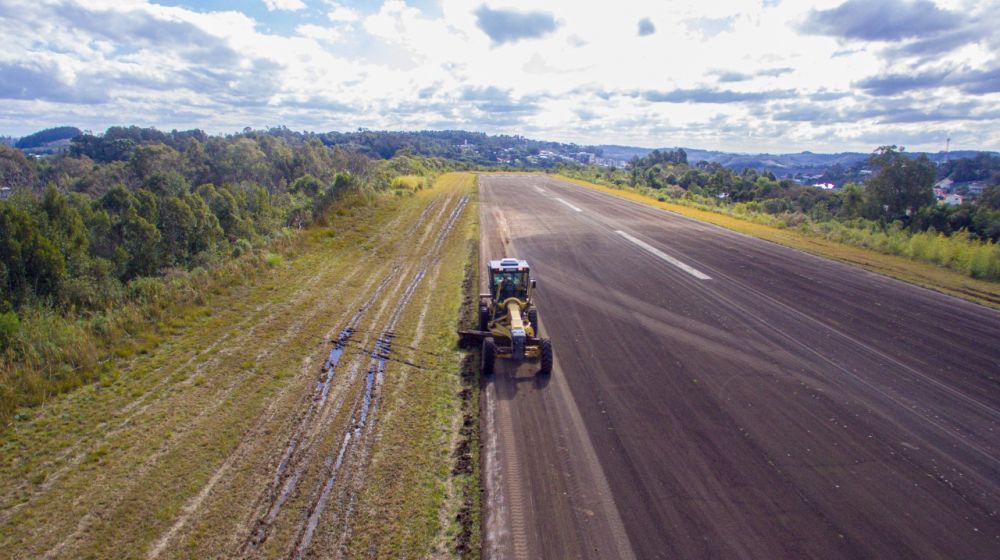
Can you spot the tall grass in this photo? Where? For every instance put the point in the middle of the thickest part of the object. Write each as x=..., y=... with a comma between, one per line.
x=408, y=184
x=46, y=351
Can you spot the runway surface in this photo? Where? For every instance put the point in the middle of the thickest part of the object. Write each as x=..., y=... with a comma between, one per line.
x=718, y=396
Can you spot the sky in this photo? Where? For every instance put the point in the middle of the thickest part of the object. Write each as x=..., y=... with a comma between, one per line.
x=746, y=76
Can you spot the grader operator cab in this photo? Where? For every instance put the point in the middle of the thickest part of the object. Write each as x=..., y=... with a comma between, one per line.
x=508, y=319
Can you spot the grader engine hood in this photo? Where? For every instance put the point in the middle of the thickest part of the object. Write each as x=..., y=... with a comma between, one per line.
x=517, y=334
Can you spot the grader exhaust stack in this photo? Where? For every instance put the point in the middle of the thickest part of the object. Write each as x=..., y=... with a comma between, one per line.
x=508, y=320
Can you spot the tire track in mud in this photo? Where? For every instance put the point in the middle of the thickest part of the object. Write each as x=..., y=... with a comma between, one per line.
x=356, y=446
x=137, y=408
x=235, y=382
x=322, y=387
x=301, y=450
x=296, y=458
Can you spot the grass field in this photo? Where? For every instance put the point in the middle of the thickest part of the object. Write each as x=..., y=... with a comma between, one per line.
x=908, y=270
x=178, y=453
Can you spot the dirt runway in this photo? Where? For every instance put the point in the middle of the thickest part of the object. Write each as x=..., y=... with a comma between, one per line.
x=718, y=396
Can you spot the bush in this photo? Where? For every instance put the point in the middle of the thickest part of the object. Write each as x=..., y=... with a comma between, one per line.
x=241, y=247
x=146, y=290
x=274, y=260
x=9, y=327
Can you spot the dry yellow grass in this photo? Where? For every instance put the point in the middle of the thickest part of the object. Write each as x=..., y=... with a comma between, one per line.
x=901, y=268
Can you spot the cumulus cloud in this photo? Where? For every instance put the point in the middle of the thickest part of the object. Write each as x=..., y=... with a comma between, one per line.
x=508, y=26
x=972, y=82
x=284, y=5
x=741, y=76
x=728, y=76
x=492, y=99
x=881, y=20
x=342, y=14
x=646, y=27
x=893, y=84
x=708, y=95
x=710, y=27
x=27, y=81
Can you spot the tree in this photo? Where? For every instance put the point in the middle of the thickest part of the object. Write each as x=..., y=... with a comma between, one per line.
x=32, y=264
x=991, y=198
x=901, y=185
x=853, y=201
x=15, y=169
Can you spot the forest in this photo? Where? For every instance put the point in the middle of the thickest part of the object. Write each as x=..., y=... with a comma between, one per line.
x=96, y=241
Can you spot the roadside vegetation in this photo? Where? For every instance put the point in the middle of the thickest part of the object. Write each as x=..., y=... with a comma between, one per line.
x=894, y=212
x=102, y=247
x=924, y=274
x=170, y=455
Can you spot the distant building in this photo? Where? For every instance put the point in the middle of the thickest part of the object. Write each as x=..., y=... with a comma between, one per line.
x=976, y=188
x=944, y=185
x=952, y=199
x=825, y=186
x=5, y=192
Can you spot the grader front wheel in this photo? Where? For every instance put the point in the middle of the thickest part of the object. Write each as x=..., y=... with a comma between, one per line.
x=546, y=357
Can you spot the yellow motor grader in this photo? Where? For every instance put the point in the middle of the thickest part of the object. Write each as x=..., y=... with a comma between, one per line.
x=508, y=320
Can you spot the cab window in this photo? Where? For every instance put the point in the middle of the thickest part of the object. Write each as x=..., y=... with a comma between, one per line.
x=511, y=284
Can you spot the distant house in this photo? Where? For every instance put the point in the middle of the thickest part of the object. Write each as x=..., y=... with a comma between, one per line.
x=5, y=192
x=944, y=185
x=825, y=186
x=952, y=199
x=976, y=188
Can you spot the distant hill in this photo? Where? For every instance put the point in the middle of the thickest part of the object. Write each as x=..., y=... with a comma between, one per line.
x=782, y=165
x=48, y=136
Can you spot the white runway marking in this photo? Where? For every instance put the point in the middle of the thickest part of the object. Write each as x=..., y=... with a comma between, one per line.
x=570, y=205
x=690, y=270
x=540, y=189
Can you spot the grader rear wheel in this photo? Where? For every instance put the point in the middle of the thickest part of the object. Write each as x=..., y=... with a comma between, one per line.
x=489, y=356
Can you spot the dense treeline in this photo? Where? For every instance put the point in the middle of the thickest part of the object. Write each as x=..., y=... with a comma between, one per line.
x=458, y=145
x=103, y=242
x=982, y=167
x=897, y=191
x=135, y=202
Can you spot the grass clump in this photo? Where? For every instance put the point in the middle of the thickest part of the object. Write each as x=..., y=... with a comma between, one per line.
x=274, y=260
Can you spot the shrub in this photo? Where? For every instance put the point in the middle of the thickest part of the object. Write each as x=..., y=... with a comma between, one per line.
x=241, y=247
x=146, y=289
x=9, y=327
x=274, y=260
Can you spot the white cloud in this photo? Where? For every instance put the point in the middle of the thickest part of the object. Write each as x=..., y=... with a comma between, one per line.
x=284, y=5
x=342, y=14
x=714, y=74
